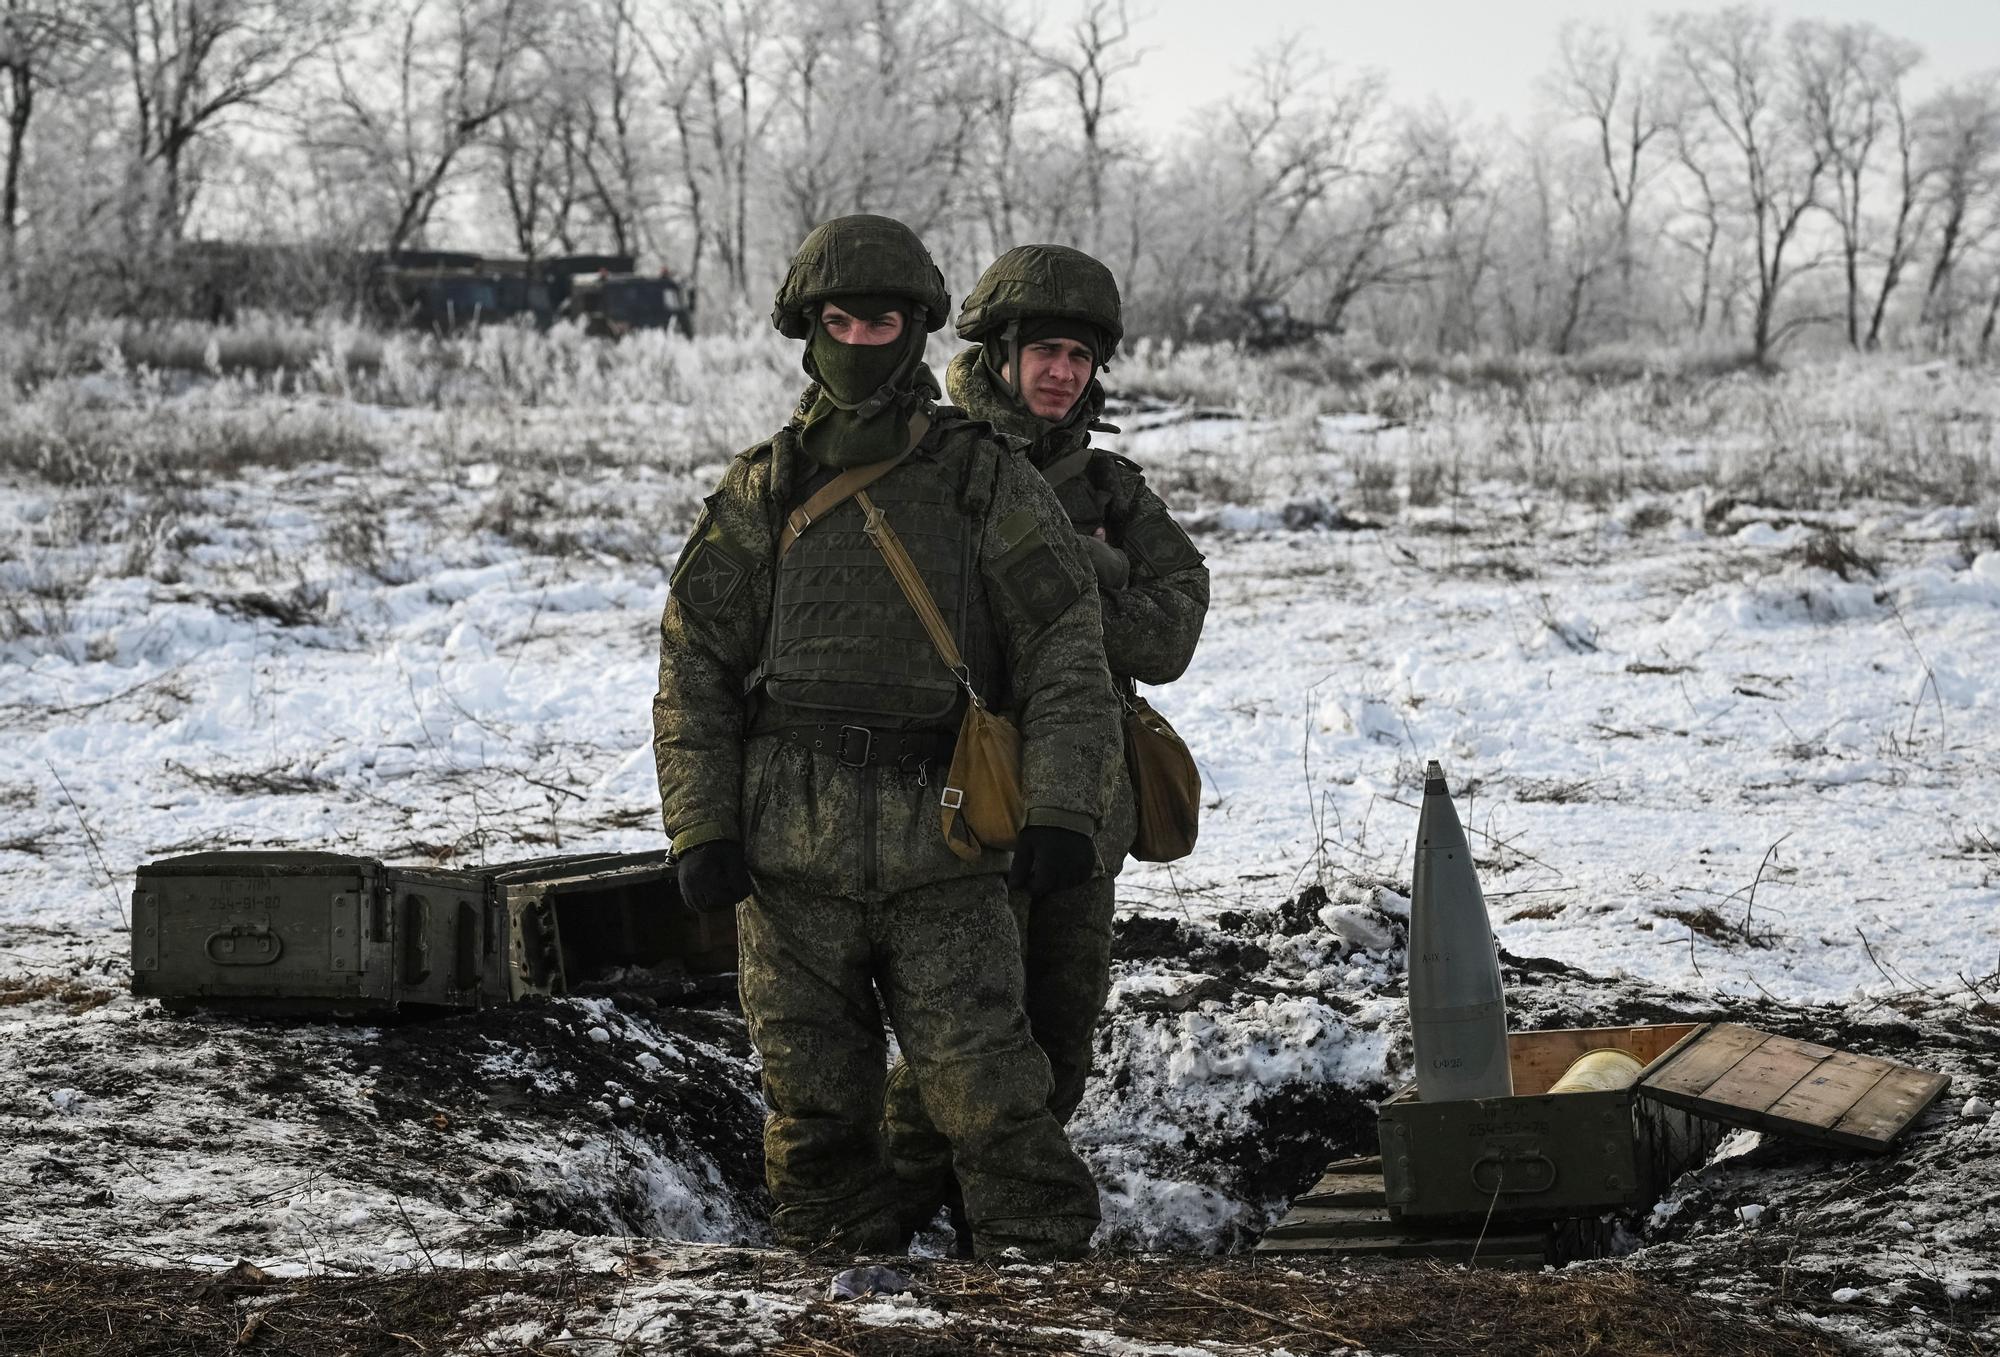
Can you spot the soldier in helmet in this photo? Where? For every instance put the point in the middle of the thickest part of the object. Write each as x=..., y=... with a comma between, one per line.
x=801, y=728
x=1045, y=318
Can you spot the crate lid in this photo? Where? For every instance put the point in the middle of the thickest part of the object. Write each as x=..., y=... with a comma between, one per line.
x=567, y=866
x=262, y=862
x=1744, y=1077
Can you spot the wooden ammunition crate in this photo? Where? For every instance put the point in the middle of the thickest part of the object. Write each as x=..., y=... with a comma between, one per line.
x=1507, y=1167
x=1544, y=1156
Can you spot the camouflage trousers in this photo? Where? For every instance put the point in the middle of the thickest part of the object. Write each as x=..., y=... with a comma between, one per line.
x=942, y=962
x=1066, y=951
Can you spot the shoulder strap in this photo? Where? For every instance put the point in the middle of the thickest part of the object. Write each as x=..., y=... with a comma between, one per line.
x=845, y=486
x=1063, y=468
x=911, y=581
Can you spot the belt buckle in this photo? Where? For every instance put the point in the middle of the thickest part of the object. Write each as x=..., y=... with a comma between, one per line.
x=847, y=733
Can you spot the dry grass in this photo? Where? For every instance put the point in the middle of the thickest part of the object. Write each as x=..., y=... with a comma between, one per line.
x=77, y=996
x=1307, y=1307
x=1708, y=921
x=54, y=1305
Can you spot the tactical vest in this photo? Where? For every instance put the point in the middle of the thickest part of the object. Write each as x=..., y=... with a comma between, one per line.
x=844, y=643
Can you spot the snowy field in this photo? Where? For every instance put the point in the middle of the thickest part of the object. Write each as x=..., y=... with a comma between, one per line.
x=1712, y=661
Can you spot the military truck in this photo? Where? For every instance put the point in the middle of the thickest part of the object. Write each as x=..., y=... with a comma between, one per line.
x=611, y=305
x=447, y=291
x=1259, y=324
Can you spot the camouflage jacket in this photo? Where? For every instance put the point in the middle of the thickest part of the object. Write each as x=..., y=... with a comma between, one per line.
x=717, y=619
x=1150, y=626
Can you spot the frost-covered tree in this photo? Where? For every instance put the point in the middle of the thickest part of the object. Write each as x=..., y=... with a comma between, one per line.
x=1733, y=78
x=1849, y=82
x=1600, y=80
x=413, y=98
x=46, y=46
x=188, y=66
x=1959, y=137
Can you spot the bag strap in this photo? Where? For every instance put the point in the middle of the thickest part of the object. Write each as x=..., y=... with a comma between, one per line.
x=845, y=486
x=1063, y=468
x=911, y=581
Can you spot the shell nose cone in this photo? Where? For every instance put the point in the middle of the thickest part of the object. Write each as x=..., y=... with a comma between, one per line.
x=1434, y=780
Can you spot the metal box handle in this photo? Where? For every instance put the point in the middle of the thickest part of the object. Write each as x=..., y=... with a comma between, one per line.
x=1491, y=1176
x=266, y=946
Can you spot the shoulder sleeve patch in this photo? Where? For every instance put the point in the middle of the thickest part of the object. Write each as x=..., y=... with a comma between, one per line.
x=1028, y=573
x=711, y=571
x=1017, y=528
x=1160, y=544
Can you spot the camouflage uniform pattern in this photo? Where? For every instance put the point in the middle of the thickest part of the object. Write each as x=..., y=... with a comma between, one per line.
x=857, y=892
x=1150, y=631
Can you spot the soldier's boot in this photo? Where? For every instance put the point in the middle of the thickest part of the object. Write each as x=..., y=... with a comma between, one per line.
x=805, y=967
x=961, y=1224
x=952, y=982
x=919, y=1156
x=1067, y=963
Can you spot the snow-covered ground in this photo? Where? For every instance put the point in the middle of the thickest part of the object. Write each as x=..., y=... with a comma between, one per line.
x=1713, y=664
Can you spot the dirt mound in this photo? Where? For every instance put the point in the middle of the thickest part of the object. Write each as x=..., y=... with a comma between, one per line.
x=633, y=1112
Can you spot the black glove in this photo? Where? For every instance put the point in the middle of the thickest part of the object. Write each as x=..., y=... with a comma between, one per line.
x=1114, y=571
x=1050, y=858
x=713, y=876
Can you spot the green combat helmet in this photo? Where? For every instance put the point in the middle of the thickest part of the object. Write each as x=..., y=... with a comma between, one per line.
x=1042, y=280
x=858, y=254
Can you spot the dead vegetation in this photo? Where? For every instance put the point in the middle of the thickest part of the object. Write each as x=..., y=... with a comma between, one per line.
x=59, y=1305
x=1708, y=921
x=303, y=605
x=56, y=1305
x=1561, y=791
x=1977, y=843
x=279, y=781
x=1836, y=553
x=76, y=996
x=1307, y=1307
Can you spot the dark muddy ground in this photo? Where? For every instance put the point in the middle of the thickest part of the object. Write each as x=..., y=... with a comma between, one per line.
x=707, y=1303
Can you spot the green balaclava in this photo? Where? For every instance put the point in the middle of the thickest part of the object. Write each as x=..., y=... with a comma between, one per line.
x=1003, y=355
x=861, y=413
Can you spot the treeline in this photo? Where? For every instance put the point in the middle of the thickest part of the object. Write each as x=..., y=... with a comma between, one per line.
x=1712, y=178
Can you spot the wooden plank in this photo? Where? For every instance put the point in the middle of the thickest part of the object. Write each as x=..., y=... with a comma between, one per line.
x=1765, y=1075
x=1713, y=1054
x=1886, y=1110
x=1823, y=1097
x=1744, y=1077
x=1344, y=1189
x=1343, y=1222
x=1366, y=1163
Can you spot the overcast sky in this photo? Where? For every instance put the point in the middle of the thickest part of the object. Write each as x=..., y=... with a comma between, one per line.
x=1481, y=54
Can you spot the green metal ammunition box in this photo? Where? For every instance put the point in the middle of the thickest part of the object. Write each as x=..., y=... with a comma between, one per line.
x=1541, y=1156
x=308, y=932
x=574, y=915
x=281, y=931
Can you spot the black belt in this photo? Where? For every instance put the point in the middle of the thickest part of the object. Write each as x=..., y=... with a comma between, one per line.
x=861, y=746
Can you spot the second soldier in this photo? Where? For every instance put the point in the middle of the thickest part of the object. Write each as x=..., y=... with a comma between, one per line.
x=1044, y=319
